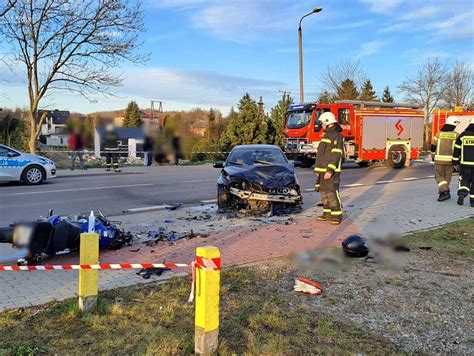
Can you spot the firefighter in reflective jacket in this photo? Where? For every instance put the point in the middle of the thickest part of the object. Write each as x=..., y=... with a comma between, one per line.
x=328, y=169
x=442, y=149
x=111, y=148
x=464, y=156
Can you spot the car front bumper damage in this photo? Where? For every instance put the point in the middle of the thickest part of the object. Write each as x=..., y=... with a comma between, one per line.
x=293, y=197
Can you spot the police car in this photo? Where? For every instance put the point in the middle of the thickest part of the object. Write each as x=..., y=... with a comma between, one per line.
x=24, y=167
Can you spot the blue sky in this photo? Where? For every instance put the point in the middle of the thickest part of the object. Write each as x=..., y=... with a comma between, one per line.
x=208, y=53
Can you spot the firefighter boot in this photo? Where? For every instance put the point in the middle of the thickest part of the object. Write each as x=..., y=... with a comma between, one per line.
x=335, y=220
x=325, y=217
x=472, y=202
x=108, y=167
x=444, y=196
x=461, y=200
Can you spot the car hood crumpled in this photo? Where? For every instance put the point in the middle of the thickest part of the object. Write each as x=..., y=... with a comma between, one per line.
x=268, y=176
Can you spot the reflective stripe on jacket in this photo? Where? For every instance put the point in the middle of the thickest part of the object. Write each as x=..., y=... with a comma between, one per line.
x=330, y=151
x=443, y=147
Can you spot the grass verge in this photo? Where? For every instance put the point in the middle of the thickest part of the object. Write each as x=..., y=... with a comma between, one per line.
x=259, y=314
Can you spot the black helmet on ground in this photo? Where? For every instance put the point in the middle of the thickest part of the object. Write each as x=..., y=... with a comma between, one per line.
x=354, y=246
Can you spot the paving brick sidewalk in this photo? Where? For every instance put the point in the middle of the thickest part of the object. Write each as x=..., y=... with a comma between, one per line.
x=399, y=207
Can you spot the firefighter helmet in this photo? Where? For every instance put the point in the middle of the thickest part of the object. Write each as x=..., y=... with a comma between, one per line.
x=327, y=118
x=354, y=246
x=453, y=120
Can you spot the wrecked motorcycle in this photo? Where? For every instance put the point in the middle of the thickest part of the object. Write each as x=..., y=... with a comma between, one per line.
x=57, y=235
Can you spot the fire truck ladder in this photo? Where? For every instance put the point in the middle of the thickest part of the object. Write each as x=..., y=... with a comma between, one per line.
x=359, y=104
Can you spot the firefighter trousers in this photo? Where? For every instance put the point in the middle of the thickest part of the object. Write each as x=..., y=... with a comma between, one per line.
x=329, y=192
x=466, y=183
x=443, y=174
x=111, y=158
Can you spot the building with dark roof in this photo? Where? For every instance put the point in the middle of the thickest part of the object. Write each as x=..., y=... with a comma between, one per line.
x=54, y=128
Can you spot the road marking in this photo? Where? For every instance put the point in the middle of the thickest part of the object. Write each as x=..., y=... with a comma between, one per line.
x=84, y=189
x=353, y=185
x=309, y=190
x=198, y=180
x=147, y=208
x=411, y=178
x=209, y=201
x=430, y=176
x=384, y=181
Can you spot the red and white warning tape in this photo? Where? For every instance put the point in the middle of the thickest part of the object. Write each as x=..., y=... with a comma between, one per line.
x=201, y=263
x=101, y=266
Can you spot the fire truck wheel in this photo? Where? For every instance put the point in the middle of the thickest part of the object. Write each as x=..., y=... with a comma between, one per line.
x=307, y=162
x=397, y=157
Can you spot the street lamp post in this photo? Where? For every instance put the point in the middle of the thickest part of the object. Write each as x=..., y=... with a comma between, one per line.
x=300, y=42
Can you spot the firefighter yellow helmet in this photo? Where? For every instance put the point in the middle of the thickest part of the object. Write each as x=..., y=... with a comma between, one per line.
x=327, y=118
x=452, y=120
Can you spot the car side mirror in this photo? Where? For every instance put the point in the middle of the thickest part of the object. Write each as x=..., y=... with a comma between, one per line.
x=218, y=165
x=296, y=164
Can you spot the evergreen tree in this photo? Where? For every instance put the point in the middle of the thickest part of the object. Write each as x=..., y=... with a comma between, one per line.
x=132, y=115
x=247, y=127
x=367, y=92
x=89, y=126
x=347, y=91
x=325, y=98
x=211, y=125
x=277, y=119
x=387, y=96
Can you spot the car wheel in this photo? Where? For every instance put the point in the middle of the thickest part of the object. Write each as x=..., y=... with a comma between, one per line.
x=33, y=175
x=223, y=198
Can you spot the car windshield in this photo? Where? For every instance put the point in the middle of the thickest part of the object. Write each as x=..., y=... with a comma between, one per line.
x=298, y=119
x=251, y=156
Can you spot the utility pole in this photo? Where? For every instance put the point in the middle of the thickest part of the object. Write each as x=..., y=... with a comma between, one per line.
x=160, y=109
x=300, y=45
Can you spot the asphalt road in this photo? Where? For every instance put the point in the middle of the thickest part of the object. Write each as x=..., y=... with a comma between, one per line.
x=156, y=186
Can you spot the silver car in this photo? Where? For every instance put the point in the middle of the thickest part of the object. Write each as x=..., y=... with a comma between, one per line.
x=24, y=167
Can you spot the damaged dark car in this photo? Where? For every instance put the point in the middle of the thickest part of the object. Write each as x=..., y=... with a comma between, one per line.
x=258, y=177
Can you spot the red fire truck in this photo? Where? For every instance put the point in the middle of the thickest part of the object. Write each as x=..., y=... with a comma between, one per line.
x=440, y=117
x=373, y=131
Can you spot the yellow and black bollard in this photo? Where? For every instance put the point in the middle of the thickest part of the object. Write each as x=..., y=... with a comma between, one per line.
x=88, y=279
x=207, y=300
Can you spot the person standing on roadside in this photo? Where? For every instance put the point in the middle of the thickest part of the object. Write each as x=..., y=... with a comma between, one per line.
x=176, y=146
x=148, y=146
x=328, y=169
x=111, y=148
x=77, y=144
x=442, y=149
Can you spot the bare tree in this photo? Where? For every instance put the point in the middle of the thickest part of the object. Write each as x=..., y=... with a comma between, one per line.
x=460, y=92
x=334, y=75
x=427, y=88
x=6, y=6
x=73, y=45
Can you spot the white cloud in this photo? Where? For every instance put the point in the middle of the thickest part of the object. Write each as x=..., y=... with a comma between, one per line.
x=421, y=13
x=382, y=6
x=370, y=48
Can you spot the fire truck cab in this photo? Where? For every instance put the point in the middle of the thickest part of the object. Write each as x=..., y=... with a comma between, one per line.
x=372, y=131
